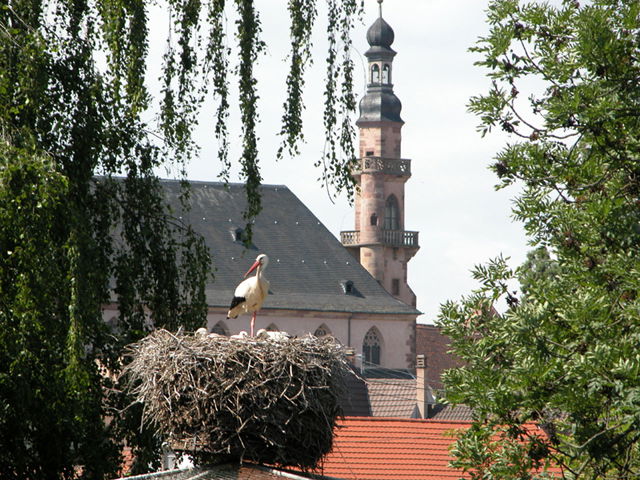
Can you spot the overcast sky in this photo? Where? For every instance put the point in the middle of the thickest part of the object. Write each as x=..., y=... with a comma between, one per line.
x=450, y=197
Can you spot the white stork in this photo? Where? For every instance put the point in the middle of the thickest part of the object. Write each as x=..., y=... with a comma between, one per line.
x=251, y=292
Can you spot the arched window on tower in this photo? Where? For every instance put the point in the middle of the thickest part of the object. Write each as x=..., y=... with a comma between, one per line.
x=386, y=73
x=391, y=214
x=372, y=347
x=374, y=219
x=375, y=73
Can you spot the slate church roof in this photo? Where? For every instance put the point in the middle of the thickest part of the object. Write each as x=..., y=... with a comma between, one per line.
x=308, y=267
x=393, y=397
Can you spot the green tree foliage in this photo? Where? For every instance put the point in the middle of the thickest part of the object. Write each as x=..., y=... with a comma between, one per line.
x=73, y=100
x=565, y=355
x=537, y=269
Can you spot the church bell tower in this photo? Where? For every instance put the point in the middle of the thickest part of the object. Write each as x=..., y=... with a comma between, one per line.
x=379, y=240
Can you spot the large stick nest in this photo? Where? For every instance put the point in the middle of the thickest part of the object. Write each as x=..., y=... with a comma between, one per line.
x=263, y=400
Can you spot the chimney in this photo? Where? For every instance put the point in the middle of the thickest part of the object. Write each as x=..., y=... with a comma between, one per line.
x=350, y=354
x=424, y=399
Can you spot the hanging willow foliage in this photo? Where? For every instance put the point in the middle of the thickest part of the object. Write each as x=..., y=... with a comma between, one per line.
x=197, y=65
x=74, y=104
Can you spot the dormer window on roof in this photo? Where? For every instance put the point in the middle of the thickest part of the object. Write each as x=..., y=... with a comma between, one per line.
x=347, y=287
x=238, y=234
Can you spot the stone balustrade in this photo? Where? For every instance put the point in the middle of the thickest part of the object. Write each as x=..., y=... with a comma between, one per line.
x=392, y=238
x=388, y=166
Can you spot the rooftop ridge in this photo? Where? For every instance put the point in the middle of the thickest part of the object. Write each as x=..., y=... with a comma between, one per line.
x=404, y=420
x=217, y=183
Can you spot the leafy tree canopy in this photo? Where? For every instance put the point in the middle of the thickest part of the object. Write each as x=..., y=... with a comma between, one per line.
x=564, y=355
x=73, y=103
x=537, y=269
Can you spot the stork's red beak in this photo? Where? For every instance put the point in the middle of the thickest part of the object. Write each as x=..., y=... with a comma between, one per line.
x=253, y=267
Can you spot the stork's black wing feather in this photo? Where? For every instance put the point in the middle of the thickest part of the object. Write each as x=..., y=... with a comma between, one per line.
x=237, y=301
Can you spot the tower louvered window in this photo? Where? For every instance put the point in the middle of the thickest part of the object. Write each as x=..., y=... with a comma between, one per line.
x=375, y=73
x=386, y=74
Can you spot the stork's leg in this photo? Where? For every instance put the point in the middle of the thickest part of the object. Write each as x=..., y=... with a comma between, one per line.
x=253, y=322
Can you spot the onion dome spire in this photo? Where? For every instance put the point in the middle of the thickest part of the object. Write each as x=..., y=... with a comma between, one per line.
x=380, y=34
x=380, y=103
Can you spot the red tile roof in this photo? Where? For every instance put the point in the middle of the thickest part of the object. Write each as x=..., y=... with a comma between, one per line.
x=399, y=449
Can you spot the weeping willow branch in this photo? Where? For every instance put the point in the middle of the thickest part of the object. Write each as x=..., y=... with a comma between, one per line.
x=302, y=19
x=180, y=105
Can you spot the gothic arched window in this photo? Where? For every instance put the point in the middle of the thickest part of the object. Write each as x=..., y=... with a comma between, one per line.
x=375, y=73
x=220, y=328
x=322, y=331
x=391, y=214
x=114, y=325
x=386, y=74
x=372, y=347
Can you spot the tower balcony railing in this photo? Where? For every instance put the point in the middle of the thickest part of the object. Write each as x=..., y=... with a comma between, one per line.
x=350, y=238
x=391, y=238
x=389, y=166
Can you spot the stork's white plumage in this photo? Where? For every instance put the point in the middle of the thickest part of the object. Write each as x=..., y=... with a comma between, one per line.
x=251, y=292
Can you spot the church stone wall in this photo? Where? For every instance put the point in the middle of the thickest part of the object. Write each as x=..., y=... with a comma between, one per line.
x=348, y=329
